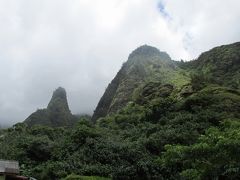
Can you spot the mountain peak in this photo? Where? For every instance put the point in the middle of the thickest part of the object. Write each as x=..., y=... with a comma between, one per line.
x=56, y=114
x=60, y=93
x=59, y=100
x=144, y=63
x=144, y=50
x=149, y=51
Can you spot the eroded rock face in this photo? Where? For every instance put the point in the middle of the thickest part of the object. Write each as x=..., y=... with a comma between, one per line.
x=56, y=114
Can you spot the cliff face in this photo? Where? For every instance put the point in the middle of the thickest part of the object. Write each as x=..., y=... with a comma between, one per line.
x=145, y=64
x=56, y=114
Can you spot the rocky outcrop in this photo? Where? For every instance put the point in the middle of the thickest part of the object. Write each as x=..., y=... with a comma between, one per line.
x=56, y=114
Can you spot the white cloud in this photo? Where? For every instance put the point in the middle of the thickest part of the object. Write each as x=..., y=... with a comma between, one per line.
x=205, y=24
x=81, y=44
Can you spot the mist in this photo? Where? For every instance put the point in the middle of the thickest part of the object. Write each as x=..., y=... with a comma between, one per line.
x=80, y=45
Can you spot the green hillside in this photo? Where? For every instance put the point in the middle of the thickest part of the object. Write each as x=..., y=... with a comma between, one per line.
x=220, y=65
x=145, y=64
x=158, y=119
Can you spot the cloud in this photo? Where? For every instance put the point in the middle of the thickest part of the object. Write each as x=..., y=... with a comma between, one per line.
x=81, y=44
x=205, y=24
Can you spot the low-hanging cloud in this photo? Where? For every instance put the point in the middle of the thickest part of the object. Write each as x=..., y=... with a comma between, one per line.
x=81, y=44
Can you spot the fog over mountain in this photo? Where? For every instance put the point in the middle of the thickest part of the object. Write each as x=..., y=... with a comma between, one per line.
x=80, y=45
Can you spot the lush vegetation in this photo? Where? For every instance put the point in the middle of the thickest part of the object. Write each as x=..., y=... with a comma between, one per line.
x=145, y=64
x=161, y=136
x=165, y=131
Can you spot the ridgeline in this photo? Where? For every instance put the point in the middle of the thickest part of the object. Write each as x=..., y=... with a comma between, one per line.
x=158, y=119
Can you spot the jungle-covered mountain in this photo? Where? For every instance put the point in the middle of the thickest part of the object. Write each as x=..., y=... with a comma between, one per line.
x=145, y=64
x=56, y=114
x=158, y=119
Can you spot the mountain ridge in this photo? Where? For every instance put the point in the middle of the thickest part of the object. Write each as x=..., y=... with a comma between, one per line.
x=148, y=64
x=163, y=120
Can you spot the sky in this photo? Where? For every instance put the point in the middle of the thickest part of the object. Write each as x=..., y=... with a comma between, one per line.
x=81, y=44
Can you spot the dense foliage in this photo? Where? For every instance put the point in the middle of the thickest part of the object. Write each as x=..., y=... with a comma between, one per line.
x=144, y=64
x=165, y=137
x=165, y=131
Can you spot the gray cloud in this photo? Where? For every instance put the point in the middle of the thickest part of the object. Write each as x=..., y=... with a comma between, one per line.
x=81, y=44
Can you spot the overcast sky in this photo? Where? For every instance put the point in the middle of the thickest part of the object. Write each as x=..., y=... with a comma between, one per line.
x=81, y=44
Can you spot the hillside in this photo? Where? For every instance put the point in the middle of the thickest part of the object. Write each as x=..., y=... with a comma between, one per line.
x=158, y=119
x=56, y=114
x=219, y=65
x=144, y=64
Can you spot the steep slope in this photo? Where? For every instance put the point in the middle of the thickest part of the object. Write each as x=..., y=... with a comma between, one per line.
x=219, y=65
x=171, y=127
x=145, y=64
x=56, y=114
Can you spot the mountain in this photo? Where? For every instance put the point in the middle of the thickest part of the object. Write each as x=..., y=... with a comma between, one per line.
x=56, y=114
x=145, y=64
x=158, y=119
